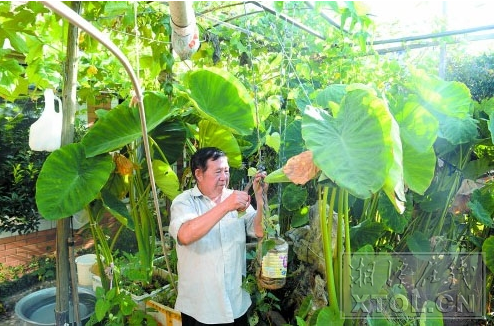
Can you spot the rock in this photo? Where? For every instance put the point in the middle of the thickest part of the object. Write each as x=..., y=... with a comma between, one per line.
x=307, y=240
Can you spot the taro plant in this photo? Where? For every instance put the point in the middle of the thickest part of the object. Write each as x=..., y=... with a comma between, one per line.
x=379, y=155
x=81, y=175
x=359, y=126
x=108, y=164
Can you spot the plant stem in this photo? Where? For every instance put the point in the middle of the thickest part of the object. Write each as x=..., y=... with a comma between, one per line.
x=326, y=231
x=346, y=267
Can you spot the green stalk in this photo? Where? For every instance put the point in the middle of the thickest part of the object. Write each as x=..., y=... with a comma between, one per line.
x=366, y=205
x=346, y=222
x=144, y=228
x=135, y=213
x=116, y=236
x=325, y=226
x=346, y=264
x=101, y=249
x=339, y=243
x=374, y=206
x=165, y=249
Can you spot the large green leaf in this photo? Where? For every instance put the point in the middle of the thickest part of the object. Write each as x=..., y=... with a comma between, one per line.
x=43, y=73
x=390, y=217
x=68, y=181
x=488, y=253
x=488, y=108
x=366, y=260
x=419, y=168
x=450, y=103
x=292, y=141
x=329, y=315
x=481, y=205
x=12, y=29
x=418, y=243
x=331, y=96
x=11, y=70
x=122, y=124
x=212, y=134
x=221, y=97
x=418, y=127
x=117, y=208
x=394, y=182
x=170, y=137
x=273, y=140
x=294, y=197
x=354, y=149
x=442, y=98
x=458, y=130
x=166, y=179
x=366, y=232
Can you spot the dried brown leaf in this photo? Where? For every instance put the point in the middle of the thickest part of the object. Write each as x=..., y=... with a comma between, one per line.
x=300, y=168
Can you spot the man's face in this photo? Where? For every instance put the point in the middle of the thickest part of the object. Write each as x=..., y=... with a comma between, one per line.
x=216, y=177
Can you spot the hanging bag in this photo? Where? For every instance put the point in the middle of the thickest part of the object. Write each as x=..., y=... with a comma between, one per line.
x=45, y=134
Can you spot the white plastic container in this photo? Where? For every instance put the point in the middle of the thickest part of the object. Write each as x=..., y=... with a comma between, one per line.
x=84, y=264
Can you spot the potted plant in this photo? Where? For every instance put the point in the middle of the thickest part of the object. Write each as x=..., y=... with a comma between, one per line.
x=117, y=308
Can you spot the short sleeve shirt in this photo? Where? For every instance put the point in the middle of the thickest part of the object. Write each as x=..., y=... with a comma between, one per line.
x=211, y=269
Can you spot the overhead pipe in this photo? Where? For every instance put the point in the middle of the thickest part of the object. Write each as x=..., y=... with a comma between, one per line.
x=327, y=17
x=435, y=35
x=185, y=34
x=288, y=19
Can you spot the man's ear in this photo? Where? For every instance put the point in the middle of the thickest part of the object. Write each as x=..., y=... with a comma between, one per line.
x=198, y=173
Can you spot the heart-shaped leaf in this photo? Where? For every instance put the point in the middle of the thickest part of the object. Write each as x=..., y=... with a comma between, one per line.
x=68, y=181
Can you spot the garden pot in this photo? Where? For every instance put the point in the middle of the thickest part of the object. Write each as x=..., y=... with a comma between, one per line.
x=163, y=315
x=142, y=299
x=38, y=308
x=84, y=264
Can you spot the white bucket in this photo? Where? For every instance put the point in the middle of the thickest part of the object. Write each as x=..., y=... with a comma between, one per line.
x=84, y=264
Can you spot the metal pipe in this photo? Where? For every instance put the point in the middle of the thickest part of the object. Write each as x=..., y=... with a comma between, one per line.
x=327, y=17
x=288, y=19
x=435, y=35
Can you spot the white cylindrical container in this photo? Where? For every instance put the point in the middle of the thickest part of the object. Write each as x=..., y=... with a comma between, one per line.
x=274, y=266
x=84, y=264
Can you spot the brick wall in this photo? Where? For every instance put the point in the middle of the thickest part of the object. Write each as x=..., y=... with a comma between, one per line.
x=20, y=249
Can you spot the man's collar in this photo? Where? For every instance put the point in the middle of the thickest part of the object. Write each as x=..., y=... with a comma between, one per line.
x=196, y=192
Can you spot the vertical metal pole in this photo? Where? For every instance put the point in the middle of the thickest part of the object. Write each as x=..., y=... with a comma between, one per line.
x=63, y=225
x=443, y=49
x=62, y=270
x=73, y=278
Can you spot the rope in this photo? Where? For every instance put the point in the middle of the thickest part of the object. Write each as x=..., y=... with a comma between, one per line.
x=264, y=282
x=152, y=179
x=136, y=42
x=260, y=166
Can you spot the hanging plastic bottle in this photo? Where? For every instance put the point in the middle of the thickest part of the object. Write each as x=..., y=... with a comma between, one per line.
x=45, y=134
x=274, y=266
